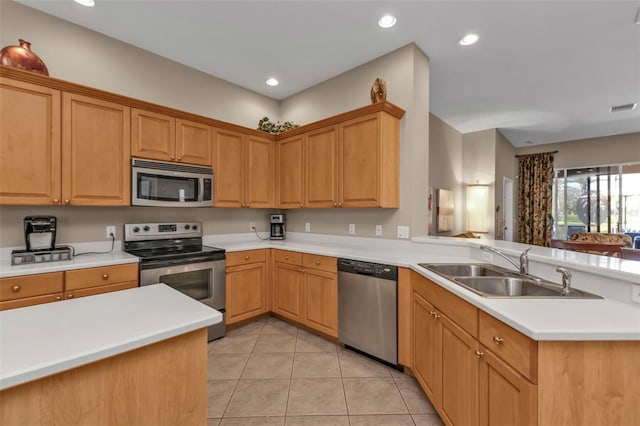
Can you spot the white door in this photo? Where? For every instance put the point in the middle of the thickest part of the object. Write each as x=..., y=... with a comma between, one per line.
x=507, y=211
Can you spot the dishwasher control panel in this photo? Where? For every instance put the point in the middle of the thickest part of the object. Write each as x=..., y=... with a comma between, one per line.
x=367, y=268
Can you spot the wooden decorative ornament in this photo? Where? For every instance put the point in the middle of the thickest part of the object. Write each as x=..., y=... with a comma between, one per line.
x=378, y=91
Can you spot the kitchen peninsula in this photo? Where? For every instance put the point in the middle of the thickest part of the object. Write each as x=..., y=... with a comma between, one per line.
x=135, y=356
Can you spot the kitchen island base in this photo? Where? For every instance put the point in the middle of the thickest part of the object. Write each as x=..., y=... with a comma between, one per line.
x=164, y=383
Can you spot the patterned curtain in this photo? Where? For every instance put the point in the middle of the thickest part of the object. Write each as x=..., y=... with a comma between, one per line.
x=535, y=198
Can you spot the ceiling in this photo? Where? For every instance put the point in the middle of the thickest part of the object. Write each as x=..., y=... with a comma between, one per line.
x=541, y=72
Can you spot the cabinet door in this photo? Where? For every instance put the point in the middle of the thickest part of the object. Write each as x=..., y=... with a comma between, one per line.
x=228, y=163
x=427, y=347
x=506, y=397
x=287, y=296
x=360, y=164
x=321, y=168
x=259, y=177
x=459, y=375
x=153, y=135
x=320, y=295
x=246, y=296
x=289, y=173
x=193, y=142
x=95, y=152
x=29, y=144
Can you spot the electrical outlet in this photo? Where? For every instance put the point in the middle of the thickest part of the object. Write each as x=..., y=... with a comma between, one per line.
x=378, y=230
x=111, y=230
x=307, y=227
x=635, y=293
x=403, y=232
x=252, y=226
x=352, y=228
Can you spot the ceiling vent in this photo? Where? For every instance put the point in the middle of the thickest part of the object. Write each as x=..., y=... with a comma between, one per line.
x=624, y=107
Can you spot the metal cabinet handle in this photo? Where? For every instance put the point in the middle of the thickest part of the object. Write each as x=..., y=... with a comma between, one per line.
x=58, y=298
x=339, y=204
x=15, y=288
x=67, y=201
x=248, y=205
x=173, y=158
x=105, y=276
x=299, y=269
x=303, y=271
x=286, y=258
x=246, y=258
x=56, y=201
x=335, y=204
x=317, y=262
x=434, y=314
x=301, y=205
x=478, y=354
x=69, y=296
x=498, y=340
x=179, y=158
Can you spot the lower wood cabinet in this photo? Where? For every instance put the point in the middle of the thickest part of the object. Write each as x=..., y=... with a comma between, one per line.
x=305, y=290
x=27, y=290
x=246, y=282
x=465, y=381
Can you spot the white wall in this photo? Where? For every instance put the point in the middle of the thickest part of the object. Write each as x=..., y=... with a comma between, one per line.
x=76, y=54
x=479, y=167
x=406, y=72
x=445, y=170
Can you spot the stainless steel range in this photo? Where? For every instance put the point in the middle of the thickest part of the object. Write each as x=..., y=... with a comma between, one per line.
x=172, y=253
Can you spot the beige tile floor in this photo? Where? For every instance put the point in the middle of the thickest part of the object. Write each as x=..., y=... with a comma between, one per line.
x=270, y=372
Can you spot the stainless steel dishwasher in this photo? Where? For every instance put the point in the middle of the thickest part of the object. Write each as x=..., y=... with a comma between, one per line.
x=368, y=308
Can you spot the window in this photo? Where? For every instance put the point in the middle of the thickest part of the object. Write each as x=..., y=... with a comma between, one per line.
x=596, y=199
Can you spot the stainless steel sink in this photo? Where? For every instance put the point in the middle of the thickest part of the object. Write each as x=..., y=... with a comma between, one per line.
x=465, y=270
x=493, y=281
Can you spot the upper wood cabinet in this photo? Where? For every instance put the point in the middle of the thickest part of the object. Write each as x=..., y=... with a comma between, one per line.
x=352, y=162
x=62, y=148
x=321, y=168
x=162, y=137
x=95, y=152
x=369, y=161
x=243, y=170
x=290, y=172
x=30, y=144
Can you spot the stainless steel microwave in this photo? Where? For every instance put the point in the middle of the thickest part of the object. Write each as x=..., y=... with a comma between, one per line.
x=164, y=184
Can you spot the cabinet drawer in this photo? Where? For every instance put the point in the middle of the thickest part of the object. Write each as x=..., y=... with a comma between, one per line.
x=244, y=257
x=31, y=285
x=100, y=289
x=93, y=277
x=290, y=257
x=324, y=263
x=516, y=349
x=30, y=301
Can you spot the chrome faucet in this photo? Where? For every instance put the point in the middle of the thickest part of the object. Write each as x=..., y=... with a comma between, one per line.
x=566, y=280
x=523, y=267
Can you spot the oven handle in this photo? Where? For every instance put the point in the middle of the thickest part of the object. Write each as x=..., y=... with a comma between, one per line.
x=162, y=263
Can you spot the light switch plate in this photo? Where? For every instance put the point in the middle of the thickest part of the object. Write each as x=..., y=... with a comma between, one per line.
x=635, y=293
x=352, y=228
x=378, y=230
x=403, y=232
x=307, y=227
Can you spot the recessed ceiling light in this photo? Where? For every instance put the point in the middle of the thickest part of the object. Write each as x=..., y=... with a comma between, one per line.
x=387, y=21
x=272, y=82
x=88, y=3
x=468, y=39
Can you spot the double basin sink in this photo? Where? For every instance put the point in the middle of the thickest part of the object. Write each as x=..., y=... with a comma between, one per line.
x=493, y=281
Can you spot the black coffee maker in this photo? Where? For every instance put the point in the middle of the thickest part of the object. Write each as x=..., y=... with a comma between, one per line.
x=40, y=232
x=277, y=226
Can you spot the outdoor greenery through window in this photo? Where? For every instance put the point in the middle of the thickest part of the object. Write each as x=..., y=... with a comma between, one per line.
x=596, y=199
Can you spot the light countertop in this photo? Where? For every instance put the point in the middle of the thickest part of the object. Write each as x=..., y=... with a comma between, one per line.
x=540, y=319
x=78, y=262
x=38, y=341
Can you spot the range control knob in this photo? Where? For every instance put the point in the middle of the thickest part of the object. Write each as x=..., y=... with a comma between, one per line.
x=136, y=229
x=146, y=228
x=194, y=227
x=187, y=227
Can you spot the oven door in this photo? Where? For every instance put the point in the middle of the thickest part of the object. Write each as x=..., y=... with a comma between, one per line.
x=203, y=281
